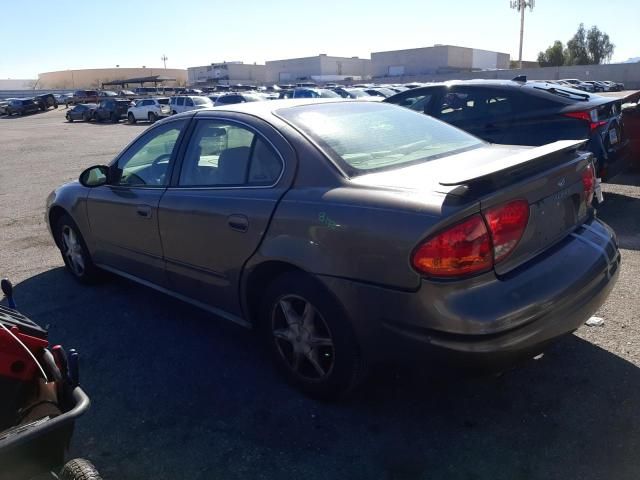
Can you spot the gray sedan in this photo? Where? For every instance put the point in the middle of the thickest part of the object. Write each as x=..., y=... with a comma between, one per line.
x=348, y=233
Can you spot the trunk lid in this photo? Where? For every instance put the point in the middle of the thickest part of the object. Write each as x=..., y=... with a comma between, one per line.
x=549, y=178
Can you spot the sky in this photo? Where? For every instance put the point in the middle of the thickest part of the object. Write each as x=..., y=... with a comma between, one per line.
x=133, y=33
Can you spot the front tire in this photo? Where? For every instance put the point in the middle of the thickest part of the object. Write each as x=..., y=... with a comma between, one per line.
x=74, y=251
x=79, y=469
x=309, y=337
x=131, y=118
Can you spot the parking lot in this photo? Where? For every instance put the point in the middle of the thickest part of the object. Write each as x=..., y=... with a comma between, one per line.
x=178, y=393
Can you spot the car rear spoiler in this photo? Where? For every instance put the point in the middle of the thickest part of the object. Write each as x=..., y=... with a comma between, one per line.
x=509, y=164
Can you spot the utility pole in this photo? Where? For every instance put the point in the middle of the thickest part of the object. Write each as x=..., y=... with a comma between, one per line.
x=164, y=58
x=520, y=6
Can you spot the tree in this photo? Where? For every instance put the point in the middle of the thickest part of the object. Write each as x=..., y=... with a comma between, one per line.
x=599, y=46
x=553, y=56
x=576, y=52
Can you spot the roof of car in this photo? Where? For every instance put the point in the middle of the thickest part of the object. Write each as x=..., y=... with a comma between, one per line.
x=262, y=109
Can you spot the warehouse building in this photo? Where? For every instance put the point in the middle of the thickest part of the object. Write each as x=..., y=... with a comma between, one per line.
x=434, y=60
x=95, y=77
x=226, y=73
x=321, y=68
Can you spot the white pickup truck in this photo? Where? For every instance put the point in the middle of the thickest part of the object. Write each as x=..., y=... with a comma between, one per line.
x=150, y=109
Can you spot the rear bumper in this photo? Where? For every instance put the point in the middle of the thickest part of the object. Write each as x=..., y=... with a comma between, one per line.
x=487, y=319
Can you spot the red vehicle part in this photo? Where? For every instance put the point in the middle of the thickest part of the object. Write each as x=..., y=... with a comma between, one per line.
x=15, y=362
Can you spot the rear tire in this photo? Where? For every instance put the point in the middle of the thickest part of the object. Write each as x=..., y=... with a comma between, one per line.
x=79, y=469
x=131, y=118
x=74, y=251
x=152, y=117
x=114, y=118
x=309, y=337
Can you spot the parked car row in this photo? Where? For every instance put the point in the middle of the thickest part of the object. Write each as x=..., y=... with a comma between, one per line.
x=23, y=106
x=594, y=86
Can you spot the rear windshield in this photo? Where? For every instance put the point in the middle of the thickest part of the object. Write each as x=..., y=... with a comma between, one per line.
x=163, y=101
x=367, y=137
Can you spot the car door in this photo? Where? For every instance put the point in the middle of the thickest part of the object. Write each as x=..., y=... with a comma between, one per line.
x=467, y=108
x=123, y=215
x=180, y=105
x=216, y=212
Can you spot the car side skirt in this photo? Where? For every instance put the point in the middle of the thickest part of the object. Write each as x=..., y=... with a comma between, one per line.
x=196, y=303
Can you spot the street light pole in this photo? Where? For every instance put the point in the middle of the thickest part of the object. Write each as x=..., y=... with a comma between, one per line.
x=164, y=58
x=520, y=6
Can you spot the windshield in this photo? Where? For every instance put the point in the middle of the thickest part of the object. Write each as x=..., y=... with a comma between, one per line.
x=355, y=93
x=202, y=101
x=366, y=137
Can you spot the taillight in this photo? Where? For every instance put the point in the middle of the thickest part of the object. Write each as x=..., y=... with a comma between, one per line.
x=474, y=245
x=589, y=183
x=506, y=224
x=590, y=116
x=460, y=250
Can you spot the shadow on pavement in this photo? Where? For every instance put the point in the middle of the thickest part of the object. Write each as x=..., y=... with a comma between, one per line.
x=631, y=178
x=178, y=393
x=622, y=213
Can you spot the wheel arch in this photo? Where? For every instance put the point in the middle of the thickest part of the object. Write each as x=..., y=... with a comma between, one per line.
x=56, y=212
x=256, y=277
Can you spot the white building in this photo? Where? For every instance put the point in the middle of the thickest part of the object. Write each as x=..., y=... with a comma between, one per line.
x=226, y=73
x=321, y=68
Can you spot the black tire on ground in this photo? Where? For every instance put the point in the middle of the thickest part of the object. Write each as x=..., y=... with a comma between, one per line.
x=320, y=356
x=79, y=469
x=56, y=105
x=131, y=118
x=114, y=118
x=69, y=119
x=74, y=251
x=174, y=113
x=152, y=117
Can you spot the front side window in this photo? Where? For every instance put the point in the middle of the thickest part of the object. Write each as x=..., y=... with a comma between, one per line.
x=146, y=162
x=415, y=101
x=226, y=154
x=363, y=137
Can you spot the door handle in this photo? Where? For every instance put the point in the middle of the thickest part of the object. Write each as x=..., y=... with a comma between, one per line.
x=239, y=223
x=143, y=211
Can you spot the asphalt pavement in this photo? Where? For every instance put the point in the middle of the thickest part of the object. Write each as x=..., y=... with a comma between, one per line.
x=178, y=393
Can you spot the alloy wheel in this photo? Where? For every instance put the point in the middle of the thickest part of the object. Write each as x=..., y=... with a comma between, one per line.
x=72, y=250
x=303, y=339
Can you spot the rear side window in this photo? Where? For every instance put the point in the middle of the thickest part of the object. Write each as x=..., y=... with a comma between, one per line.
x=225, y=154
x=461, y=105
x=188, y=102
x=163, y=101
x=180, y=101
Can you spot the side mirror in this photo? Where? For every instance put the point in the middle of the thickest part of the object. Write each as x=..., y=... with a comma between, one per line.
x=95, y=176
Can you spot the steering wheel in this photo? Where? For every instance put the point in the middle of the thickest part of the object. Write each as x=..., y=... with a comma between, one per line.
x=157, y=171
x=157, y=161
